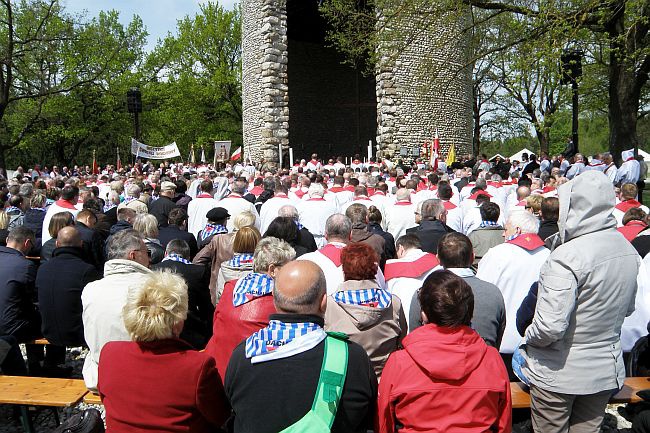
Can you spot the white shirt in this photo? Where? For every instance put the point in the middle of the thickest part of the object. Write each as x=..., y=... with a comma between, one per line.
x=513, y=270
x=270, y=209
x=55, y=208
x=313, y=214
x=399, y=217
x=635, y=325
x=196, y=211
x=236, y=204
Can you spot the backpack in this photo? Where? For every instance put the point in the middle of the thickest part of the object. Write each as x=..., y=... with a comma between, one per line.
x=330, y=387
x=639, y=362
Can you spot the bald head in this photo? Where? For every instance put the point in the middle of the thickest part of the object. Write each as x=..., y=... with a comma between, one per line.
x=300, y=288
x=523, y=192
x=68, y=237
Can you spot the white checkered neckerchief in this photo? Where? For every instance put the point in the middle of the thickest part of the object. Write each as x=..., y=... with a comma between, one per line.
x=489, y=224
x=240, y=259
x=276, y=335
x=12, y=209
x=375, y=298
x=128, y=199
x=300, y=226
x=250, y=287
x=177, y=258
x=109, y=206
x=212, y=229
x=42, y=209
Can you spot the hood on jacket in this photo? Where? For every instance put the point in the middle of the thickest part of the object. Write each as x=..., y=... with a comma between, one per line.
x=627, y=154
x=361, y=316
x=445, y=353
x=586, y=205
x=121, y=266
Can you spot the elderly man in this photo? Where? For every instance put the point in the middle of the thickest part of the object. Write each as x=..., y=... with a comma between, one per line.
x=271, y=207
x=430, y=217
x=513, y=267
x=247, y=302
x=305, y=238
x=405, y=274
x=572, y=350
x=177, y=229
x=132, y=199
x=578, y=167
x=400, y=216
x=161, y=207
x=358, y=214
x=200, y=206
x=235, y=203
x=314, y=211
x=629, y=170
x=298, y=346
x=489, y=317
x=127, y=266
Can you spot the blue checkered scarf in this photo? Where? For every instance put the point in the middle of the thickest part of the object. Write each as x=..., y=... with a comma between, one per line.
x=240, y=259
x=300, y=226
x=251, y=286
x=109, y=206
x=376, y=298
x=42, y=209
x=212, y=229
x=177, y=258
x=13, y=209
x=489, y=224
x=275, y=335
x=128, y=199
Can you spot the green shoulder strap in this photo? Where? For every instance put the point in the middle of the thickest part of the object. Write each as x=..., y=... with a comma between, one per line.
x=332, y=378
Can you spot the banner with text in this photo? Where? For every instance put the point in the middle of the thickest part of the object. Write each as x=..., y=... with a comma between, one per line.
x=141, y=150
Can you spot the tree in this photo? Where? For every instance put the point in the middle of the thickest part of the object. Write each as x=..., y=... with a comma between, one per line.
x=46, y=53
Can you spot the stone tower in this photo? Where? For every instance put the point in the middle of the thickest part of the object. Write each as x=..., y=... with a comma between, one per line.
x=297, y=92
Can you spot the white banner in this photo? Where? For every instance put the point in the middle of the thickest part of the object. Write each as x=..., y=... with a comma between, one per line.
x=141, y=150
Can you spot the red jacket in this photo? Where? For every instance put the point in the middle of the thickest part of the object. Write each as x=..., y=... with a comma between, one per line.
x=444, y=380
x=233, y=324
x=160, y=386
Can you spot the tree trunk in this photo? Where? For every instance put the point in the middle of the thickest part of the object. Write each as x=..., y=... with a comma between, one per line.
x=3, y=166
x=476, y=139
x=623, y=109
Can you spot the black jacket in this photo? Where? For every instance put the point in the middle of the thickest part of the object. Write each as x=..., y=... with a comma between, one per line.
x=34, y=221
x=160, y=209
x=642, y=244
x=306, y=239
x=198, y=325
x=547, y=228
x=93, y=246
x=429, y=233
x=171, y=232
x=526, y=310
x=18, y=315
x=272, y=385
x=389, y=240
x=59, y=282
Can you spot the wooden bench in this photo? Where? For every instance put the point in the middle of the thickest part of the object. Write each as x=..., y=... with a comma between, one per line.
x=40, y=341
x=521, y=397
x=92, y=398
x=40, y=391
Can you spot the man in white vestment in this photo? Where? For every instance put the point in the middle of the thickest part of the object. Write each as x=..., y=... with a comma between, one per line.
x=401, y=215
x=199, y=207
x=315, y=211
x=235, y=203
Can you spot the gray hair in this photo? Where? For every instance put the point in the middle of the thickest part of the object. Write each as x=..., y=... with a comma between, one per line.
x=239, y=187
x=271, y=251
x=26, y=190
x=403, y=194
x=179, y=247
x=338, y=226
x=146, y=224
x=289, y=211
x=121, y=243
x=133, y=190
x=431, y=209
x=481, y=183
x=526, y=221
x=316, y=190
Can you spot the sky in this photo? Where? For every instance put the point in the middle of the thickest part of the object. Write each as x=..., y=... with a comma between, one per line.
x=159, y=16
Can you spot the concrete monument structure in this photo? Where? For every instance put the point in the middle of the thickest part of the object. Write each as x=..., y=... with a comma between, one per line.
x=297, y=92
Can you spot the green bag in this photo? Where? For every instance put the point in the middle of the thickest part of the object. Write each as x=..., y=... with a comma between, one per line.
x=330, y=387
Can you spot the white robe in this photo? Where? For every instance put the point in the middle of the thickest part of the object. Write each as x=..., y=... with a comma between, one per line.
x=635, y=325
x=236, y=204
x=629, y=171
x=513, y=270
x=55, y=208
x=313, y=214
x=398, y=218
x=270, y=209
x=196, y=211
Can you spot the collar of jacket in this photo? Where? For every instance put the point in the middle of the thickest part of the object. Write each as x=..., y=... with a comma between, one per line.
x=74, y=251
x=13, y=251
x=298, y=318
x=122, y=266
x=165, y=345
x=357, y=285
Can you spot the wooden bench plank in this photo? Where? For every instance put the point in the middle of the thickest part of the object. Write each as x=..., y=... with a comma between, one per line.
x=92, y=398
x=41, y=391
x=521, y=397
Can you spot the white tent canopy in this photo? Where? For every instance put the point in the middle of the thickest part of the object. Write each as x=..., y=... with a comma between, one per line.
x=494, y=157
x=517, y=156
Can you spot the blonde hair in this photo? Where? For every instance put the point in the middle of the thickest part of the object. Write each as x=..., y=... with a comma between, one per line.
x=153, y=308
x=4, y=220
x=147, y=225
x=534, y=202
x=246, y=240
x=243, y=219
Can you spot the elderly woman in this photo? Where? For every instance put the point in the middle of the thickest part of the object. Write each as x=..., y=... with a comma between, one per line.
x=139, y=380
x=4, y=224
x=147, y=226
x=285, y=228
x=220, y=249
x=247, y=303
x=371, y=316
x=446, y=370
x=57, y=222
x=241, y=262
x=35, y=215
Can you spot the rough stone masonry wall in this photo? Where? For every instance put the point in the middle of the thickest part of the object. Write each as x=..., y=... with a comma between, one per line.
x=264, y=75
x=424, y=87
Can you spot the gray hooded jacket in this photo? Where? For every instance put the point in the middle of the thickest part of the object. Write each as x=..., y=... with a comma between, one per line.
x=586, y=288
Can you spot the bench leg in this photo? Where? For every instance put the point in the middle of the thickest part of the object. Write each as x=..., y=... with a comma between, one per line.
x=26, y=419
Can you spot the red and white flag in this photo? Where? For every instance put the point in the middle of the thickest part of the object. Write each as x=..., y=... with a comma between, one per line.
x=95, y=166
x=435, y=149
x=119, y=162
x=236, y=154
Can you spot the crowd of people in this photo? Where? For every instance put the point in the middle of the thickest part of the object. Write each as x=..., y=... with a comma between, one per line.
x=322, y=297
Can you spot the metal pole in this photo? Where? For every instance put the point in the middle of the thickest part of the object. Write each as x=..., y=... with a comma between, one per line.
x=574, y=125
